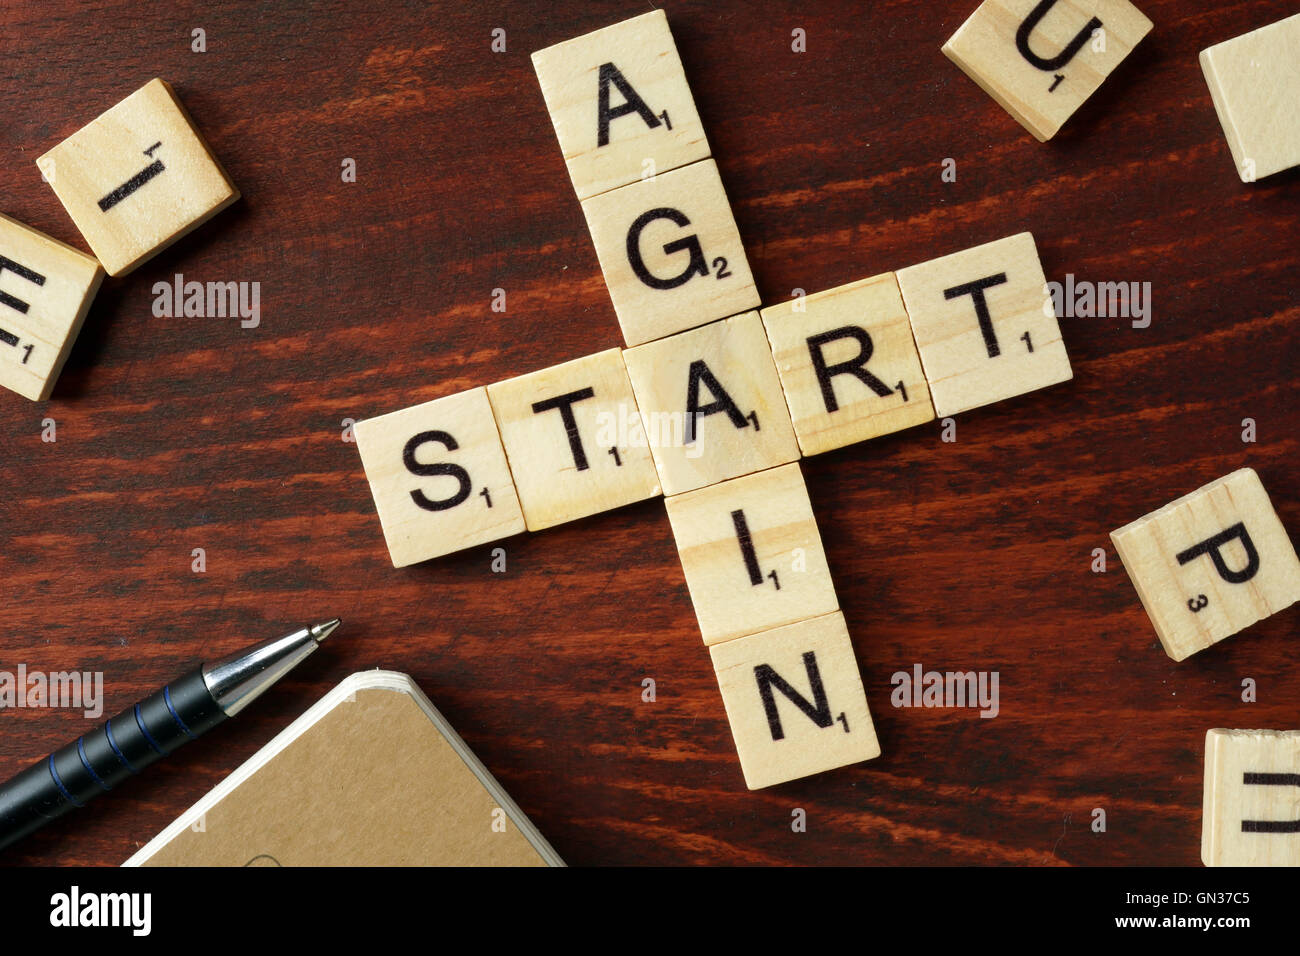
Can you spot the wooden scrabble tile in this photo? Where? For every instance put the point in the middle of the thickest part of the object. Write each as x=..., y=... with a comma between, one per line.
x=670, y=252
x=848, y=364
x=574, y=439
x=795, y=701
x=1211, y=563
x=711, y=403
x=137, y=178
x=46, y=289
x=1251, y=814
x=1254, y=80
x=1039, y=59
x=439, y=477
x=752, y=554
x=621, y=105
x=984, y=324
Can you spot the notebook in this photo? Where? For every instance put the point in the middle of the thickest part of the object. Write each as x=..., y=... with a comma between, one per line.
x=371, y=775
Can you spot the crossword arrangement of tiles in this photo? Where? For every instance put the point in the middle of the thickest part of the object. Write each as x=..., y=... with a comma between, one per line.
x=134, y=180
x=714, y=402
x=726, y=402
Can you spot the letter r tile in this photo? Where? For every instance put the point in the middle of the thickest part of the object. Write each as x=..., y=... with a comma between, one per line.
x=848, y=364
x=621, y=105
x=1040, y=59
x=137, y=178
x=439, y=477
x=671, y=253
x=794, y=700
x=984, y=324
x=1211, y=563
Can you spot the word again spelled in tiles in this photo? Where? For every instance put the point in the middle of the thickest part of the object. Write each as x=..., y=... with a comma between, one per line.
x=45, y=292
x=574, y=439
x=984, y=324
x=621, y=105
x=1041, y=59
x=848, y=364
x=795, y=701
x=1254, y=81
x=712, y=404
x=670, y=252
x=137, y=178
x=439, y=477
x=752, y=554
x=1251, y=814
x=1211, y=563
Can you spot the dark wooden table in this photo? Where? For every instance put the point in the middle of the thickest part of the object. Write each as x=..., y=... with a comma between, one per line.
x=176, y=434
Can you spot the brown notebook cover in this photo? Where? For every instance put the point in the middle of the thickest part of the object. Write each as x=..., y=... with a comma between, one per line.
x=372, y=775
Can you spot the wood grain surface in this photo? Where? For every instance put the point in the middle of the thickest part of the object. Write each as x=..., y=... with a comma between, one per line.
x=183, y=433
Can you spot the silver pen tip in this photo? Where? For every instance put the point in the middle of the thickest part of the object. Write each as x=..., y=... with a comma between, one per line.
x=321, y=631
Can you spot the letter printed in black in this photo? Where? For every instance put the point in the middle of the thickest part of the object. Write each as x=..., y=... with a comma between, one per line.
x=565, y=405
x=436, y=469
x=857, y=366
x=696, y=265
x=1270, y=780
x=632, y=103
x=1213, y=545
x=12, y=301
x=819, y=712
x=976, y=291
x=1050, y=64
x=701, y=374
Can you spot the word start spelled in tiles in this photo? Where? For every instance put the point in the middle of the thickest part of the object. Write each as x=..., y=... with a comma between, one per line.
x=1211, y=563
x=725, y=400
x=1041, y=59
x=134, y=180
x=1251, y=814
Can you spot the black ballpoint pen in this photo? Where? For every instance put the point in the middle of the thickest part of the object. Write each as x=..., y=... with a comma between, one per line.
x=147, y=732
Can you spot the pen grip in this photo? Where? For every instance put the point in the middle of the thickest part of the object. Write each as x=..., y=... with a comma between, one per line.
x=101, y=759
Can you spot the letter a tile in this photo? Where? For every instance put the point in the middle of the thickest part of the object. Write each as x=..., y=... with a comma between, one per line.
x=1251, y=814
x=1041, y=59
x=621, y=105
x=795, y=701
x=984, y=324
x=1211, y=563
x=670, y=252
x=137, y=178
x=439, y=477
x=712, y=404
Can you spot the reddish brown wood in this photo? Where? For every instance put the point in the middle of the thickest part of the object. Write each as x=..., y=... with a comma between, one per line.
x=175, y=434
